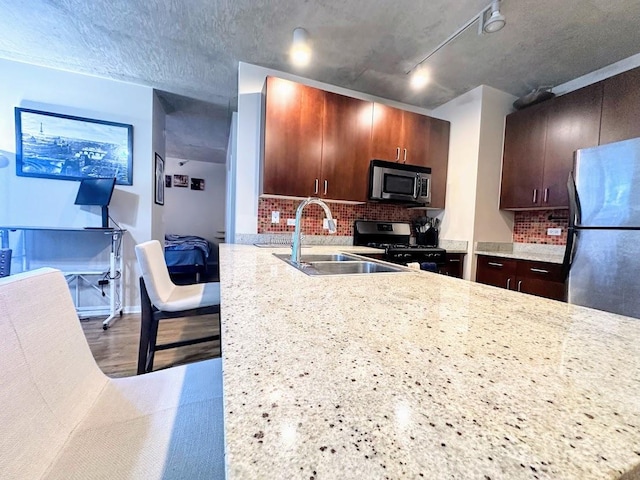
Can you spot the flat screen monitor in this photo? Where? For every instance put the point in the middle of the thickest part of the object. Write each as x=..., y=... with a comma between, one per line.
x=95, y=191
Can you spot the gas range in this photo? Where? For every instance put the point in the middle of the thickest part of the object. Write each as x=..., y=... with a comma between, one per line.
x=394, y=238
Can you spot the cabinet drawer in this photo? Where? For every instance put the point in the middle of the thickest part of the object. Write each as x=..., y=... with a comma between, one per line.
x=551, y=272
x=496, y=271
x=453, y=266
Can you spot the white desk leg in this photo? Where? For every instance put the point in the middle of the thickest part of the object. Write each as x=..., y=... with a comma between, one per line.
x=115, y=308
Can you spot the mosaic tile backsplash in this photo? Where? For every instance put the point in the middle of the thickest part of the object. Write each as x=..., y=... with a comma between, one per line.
x=344, y=214
x=531, y=227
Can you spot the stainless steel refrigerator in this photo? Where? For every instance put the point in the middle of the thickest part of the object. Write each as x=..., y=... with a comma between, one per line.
x=603, y=246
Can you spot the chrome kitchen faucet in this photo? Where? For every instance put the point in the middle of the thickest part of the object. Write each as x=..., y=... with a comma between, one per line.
x=295, y=246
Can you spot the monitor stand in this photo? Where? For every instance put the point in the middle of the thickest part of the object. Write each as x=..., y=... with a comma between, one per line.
x=105, y=216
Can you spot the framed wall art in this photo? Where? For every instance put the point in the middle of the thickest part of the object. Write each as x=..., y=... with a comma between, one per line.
x=167, y=181
x=197, y=183
x=159, y=191
x=52, y=145
x=181, y=181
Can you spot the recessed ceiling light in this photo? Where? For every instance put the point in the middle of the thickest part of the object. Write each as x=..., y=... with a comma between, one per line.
x=300, y=50
x=420, y=78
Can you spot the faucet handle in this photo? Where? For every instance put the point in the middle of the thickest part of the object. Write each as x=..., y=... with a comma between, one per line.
x=331, y=224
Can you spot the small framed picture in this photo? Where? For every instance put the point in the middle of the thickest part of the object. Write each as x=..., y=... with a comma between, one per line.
x=159, y=180
x=197, y=184
x=181, y=181
x=167, y=181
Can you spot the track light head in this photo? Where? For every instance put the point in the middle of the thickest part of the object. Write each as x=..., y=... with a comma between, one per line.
x=496, y=20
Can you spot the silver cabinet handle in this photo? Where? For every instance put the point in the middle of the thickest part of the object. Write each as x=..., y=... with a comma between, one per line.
x=535, y=195
x=397, y=154
x=508, y=283
x=405, y=155
x=326, y=186
x=315, y=191
x=519, y=285
x=539, y=270
x=494, y=264
x=453, y=260
x=546, y=195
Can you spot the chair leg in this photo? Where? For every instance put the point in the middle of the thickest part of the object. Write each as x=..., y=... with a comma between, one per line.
x=148, y=334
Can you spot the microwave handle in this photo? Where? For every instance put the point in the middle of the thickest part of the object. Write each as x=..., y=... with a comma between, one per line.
x=416, y=186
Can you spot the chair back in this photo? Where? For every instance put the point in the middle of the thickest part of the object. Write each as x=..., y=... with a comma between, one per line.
x=49, y=377
x=5, y=262
x=153, y=268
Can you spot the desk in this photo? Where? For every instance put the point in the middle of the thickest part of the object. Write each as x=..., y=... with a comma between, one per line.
x=79, y=254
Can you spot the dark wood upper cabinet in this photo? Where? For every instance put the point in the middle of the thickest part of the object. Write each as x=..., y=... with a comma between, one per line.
x=539, y=147
x=346, y=147
x=292, y=138
x=319, y=143
x=386, y=133
x=621, y=107
x=573, y=123
x=438, y=159
x=523, y=159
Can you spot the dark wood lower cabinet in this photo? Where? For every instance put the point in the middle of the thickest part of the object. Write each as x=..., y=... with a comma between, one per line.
x=536, y=278
x=453, y=266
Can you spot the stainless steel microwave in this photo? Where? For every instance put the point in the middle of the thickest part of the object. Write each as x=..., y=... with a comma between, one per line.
x=399, y=182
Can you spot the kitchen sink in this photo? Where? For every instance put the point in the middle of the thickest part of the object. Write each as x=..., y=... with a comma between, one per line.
x=329, y=257
x=340, y=264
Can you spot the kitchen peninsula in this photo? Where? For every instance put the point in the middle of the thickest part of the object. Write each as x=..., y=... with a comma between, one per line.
x=418, y=375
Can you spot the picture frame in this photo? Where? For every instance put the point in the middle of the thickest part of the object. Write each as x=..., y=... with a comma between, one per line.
x=159, y=188
x=167, y=181
x=65, y=147
x=181, y=181
x=197, y=183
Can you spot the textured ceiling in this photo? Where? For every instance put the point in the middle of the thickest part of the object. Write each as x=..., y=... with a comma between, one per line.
x=191, y=48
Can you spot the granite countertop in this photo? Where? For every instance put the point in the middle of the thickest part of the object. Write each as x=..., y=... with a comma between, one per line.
x=536, y=257
x=419, y=375
x=523, y=251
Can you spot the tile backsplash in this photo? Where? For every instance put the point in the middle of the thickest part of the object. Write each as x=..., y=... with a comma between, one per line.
x=531, y=226
x=344, y=214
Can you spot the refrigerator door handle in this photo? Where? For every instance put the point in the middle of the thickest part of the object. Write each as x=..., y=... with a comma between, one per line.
x=574, y=221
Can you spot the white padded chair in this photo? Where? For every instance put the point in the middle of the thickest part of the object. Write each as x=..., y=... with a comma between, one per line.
x=161, y=298
x=62, y=418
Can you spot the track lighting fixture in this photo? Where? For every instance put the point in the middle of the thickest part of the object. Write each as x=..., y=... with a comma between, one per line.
x=489, y=19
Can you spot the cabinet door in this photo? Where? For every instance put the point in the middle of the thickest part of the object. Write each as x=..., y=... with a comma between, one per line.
x=541, y=279
x=438, y=160
x=496, y=271
x=386, y=133
x=293, y=138
x=621, y=107
x=416, y=130
x=453, y=266
x=346, y=148
x=523, y=159
x=573, y=122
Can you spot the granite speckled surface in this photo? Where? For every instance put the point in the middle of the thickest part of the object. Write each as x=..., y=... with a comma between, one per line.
x=418, y=375
x=522, y=251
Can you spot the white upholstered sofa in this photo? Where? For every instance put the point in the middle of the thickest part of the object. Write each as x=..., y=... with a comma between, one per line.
x=62, y=418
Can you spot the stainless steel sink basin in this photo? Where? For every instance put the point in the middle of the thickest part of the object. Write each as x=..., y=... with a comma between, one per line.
x=340, y=264
x=349, y=268
x=328, y=257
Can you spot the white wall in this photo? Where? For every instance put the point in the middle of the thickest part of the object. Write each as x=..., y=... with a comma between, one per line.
x=231, y=165
x=158, y=146
x=47, y=202
x=251, y=80
x=474, y=172
x=196, y=212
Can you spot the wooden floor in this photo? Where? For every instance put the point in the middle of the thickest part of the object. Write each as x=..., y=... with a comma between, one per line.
x=116, y=349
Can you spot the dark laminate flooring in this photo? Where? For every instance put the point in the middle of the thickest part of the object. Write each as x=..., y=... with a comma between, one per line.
x=116, y=349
